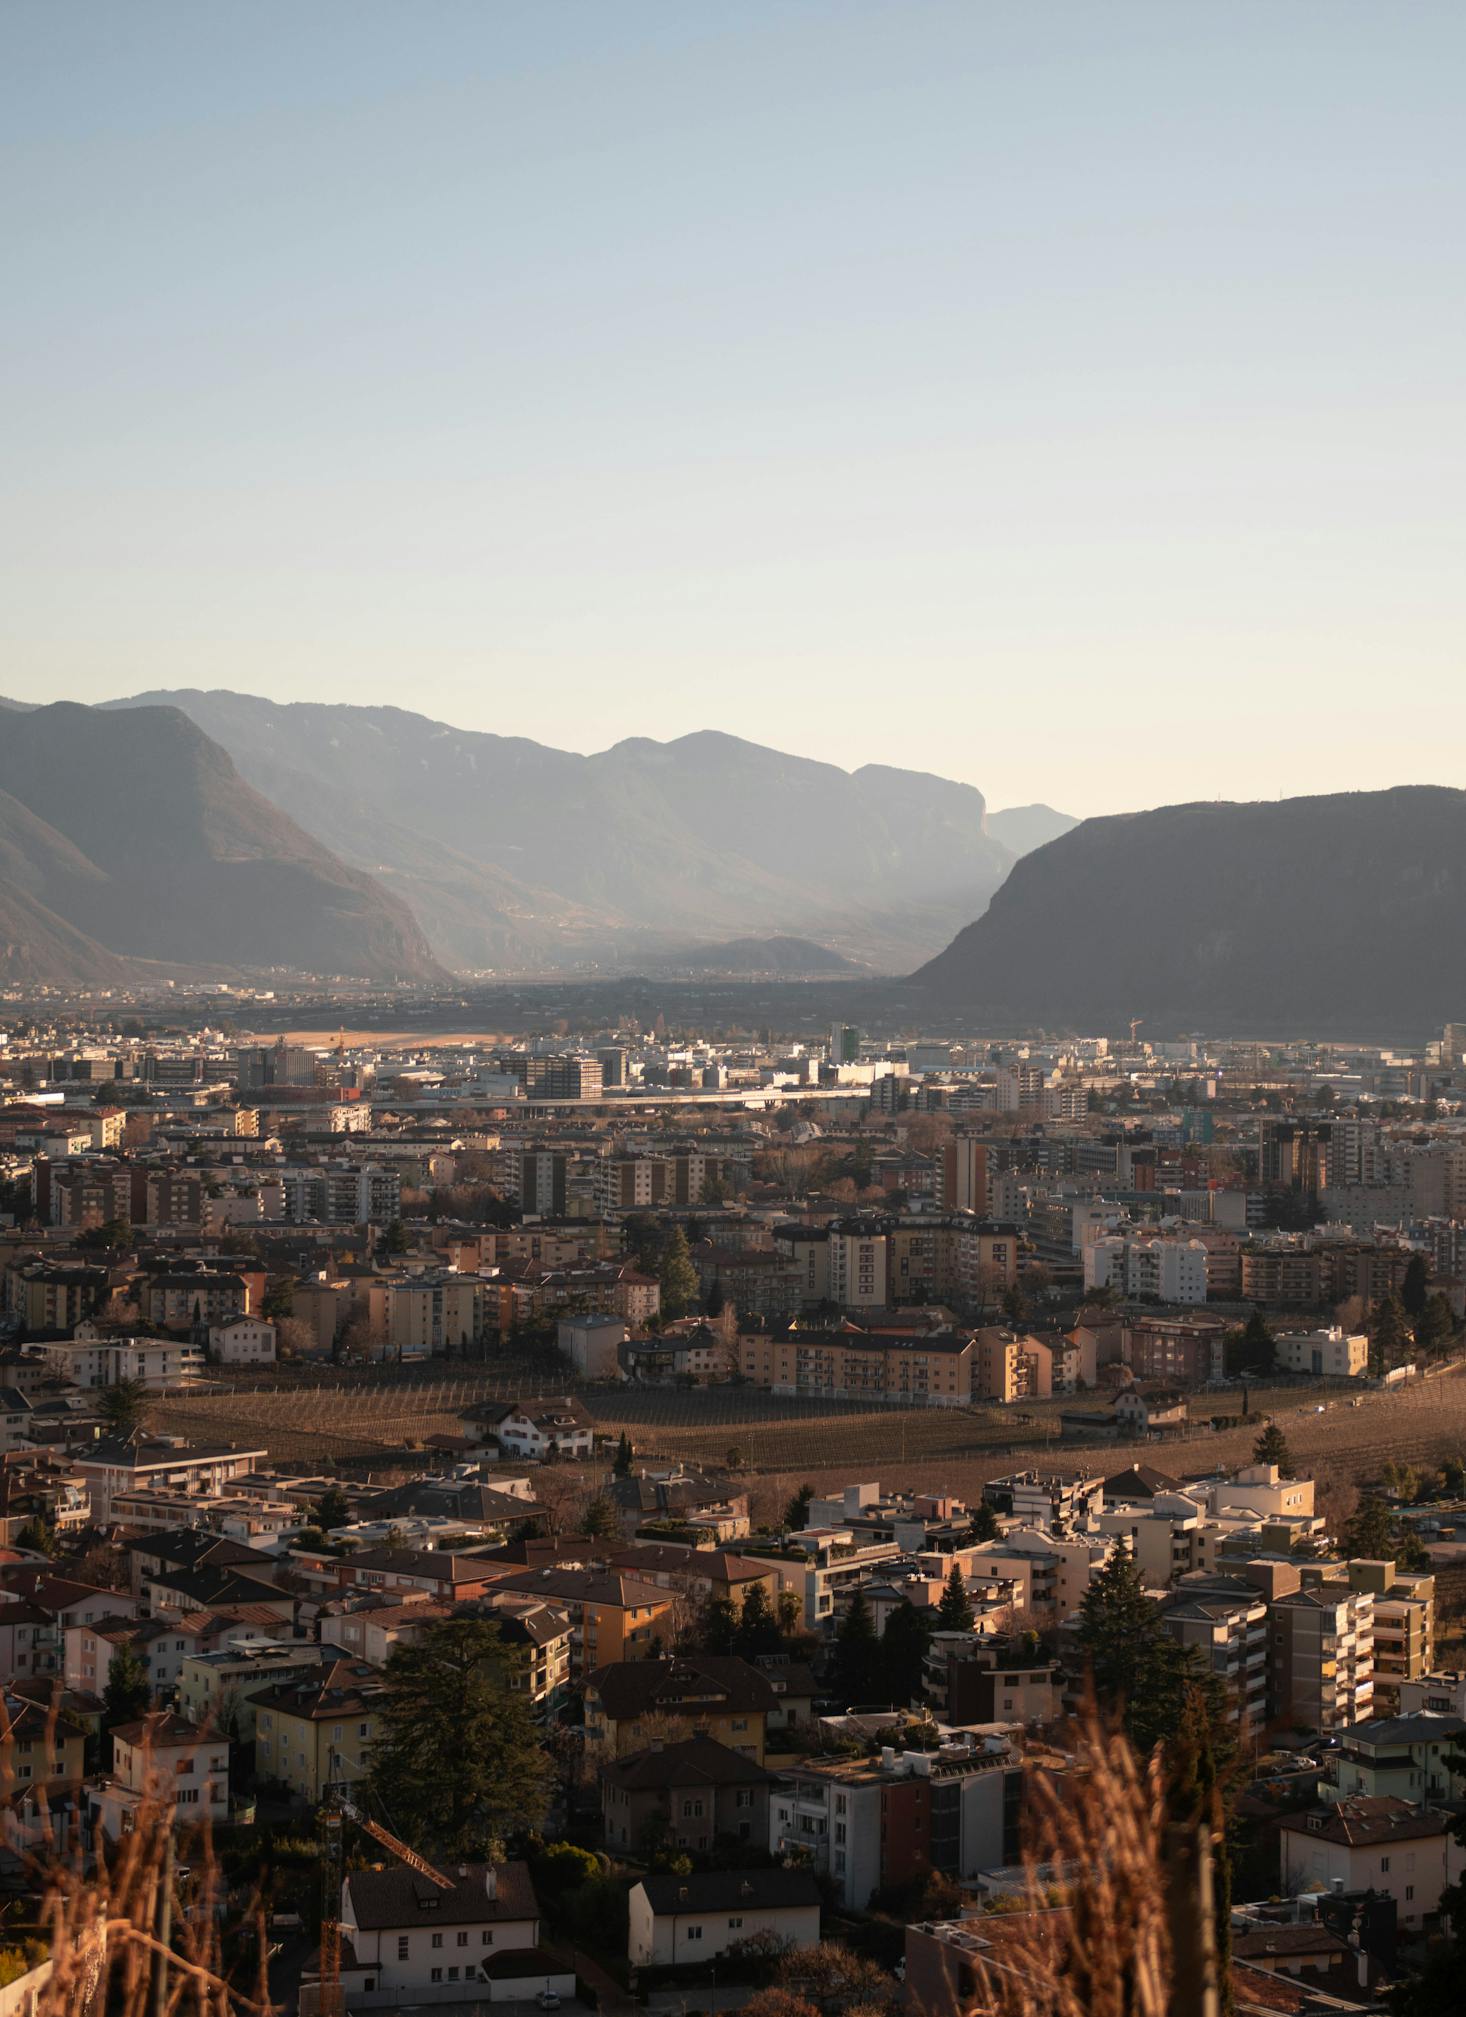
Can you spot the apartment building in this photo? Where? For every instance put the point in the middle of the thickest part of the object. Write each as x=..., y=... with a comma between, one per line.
x=1170, y=1270
x=628, y=1704
x=341, y=1194
x=867, y=1823
x=156, y=1363
x=1329, y=1352
x=1321, y=1658
x=1181, y=1351
x=317, y=1731
x=1008, y=1366
x=436, y=1311
x=925, y=1371
x=1225, y=1622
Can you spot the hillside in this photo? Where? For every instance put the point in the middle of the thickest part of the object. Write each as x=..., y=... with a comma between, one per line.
x=133, y=836
x=784, y=956
x=1022, y=828
x=515, y=855
x=1345, y=912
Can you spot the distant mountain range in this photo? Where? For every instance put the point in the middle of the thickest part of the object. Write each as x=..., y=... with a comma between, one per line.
x=789, y=958
x=131, y=838
x=1345, y=912
x=518, y=857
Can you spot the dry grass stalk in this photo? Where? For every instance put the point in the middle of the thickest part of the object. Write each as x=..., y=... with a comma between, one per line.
x=1106, y=1952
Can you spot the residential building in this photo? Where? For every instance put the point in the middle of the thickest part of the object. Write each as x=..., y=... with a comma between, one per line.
x=692, y=1793
x=866, y=1823
x=1403, y=1757
x=316, y=1732
x=688, y=1921
x=628, y=1704
x=613, y=1617
x=163, y=1757
x=410, y=1936
x=1321, y=1658
x=244, y=1341
x=1330, y=1352
x=1386, y=1845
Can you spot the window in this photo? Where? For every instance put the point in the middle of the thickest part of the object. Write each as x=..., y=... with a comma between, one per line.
x=694, y=1932
x=486, y=1938
x=452, y=1974
x=1384, y=1864
x=463, y=1939
x=436, y=1975
x=734, y=1924
x=437, y=1939
x=403, y=1943
x=1409, y=1892
x=361, y=1729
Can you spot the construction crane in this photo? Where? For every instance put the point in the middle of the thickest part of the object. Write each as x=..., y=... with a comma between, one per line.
x=337, y=1811
x=1136, y=1023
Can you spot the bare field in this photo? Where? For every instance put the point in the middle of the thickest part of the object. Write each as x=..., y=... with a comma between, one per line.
x=826, y=1442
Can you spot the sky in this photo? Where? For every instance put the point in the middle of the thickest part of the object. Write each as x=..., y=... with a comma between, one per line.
x=1063, y=396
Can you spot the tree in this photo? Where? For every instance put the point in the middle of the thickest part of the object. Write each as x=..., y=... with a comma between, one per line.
x=458, y=1763
x=1414, y=1285
x=954, y=1612
x=677, y=1275
x=128, y=1693
x=598, y=1519
x=758, y=1629
x=1390, y=1338
x=857, y=1653
x=104, y=1239
x=122, y=1406
x=333, y=1509
x=1133, y=1662
x=1374, y=1534
x=1435, y=1327
x=624, y=1457
x=1252, y=1349
x=903, y=1652
x=1271, y=1447
x=717, y=1627
x=1453, y=1476
x=984, y=1525
x=796, y=1513
x=393, y=1238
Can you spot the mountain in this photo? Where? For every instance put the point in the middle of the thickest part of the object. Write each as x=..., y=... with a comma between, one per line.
x=789, y=957
x=133, y=837
x=1022, y=828
x=515, y=855
x=1344, y=912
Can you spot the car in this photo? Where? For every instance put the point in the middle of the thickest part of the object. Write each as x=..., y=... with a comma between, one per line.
x=548, y=2000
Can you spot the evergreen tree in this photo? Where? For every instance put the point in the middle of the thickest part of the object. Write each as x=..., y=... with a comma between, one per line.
x=458, y=1762
x=717, y=1627
x=857, y=1664
x=624, y=1456
x=1372, y=1532
x=128, y=1692
x=984, y=1525
x=1252, y=1349
x=903, y=1652
x=758, y=1629
x=393, y=1239
x=1390, y=1338
x=1414, y=1287
x=677, y=1275
x=796, y=1513
x=954, y=1612
x=333, y=1509
x=1435, y=1328
x=1271, y=1447
x=1135, y=1665
x=122, y=1407
x=598, y=1519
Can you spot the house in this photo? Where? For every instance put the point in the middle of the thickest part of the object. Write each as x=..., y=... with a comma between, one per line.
x=162, y=1757
x=243, y=1341
x=702, y=1574
x=42, y=1751
x=315, y=1732
x=1382, y=1844
x=688, y=1921
x=1150, y=1414
x=689, y=1794
x=1405, y=1756
x=697, y=1694
x=163, y=1554
x=405, y=1936
x=216, y=1689
x=436, y=1573
x=535, y=1429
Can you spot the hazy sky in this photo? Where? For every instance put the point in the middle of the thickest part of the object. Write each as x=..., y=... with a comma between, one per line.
x=1064, y=397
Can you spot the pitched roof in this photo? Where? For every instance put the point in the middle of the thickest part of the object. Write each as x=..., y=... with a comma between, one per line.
x=335, y=1688
x=161, y=1727
x=1369, y=1819
x=726, y=1890
x=695, y=1761
x=385, y=1899
x=688, y=1685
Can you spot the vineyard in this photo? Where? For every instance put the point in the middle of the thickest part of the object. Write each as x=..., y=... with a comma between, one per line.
x=827, y=1441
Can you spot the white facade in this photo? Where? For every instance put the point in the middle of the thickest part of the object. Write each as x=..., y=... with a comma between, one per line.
x=1174, y=1271
x=246, y=1341
x=159, y=1363
x=686, y=1936
x=1330, y=1353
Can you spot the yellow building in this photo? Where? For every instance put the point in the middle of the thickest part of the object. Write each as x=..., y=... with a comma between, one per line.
x=320, y=1729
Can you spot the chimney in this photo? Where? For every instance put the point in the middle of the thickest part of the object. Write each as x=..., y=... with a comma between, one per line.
x=491, y=1883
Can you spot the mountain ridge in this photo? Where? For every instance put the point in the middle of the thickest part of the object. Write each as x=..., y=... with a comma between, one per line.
x=1335, y=910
